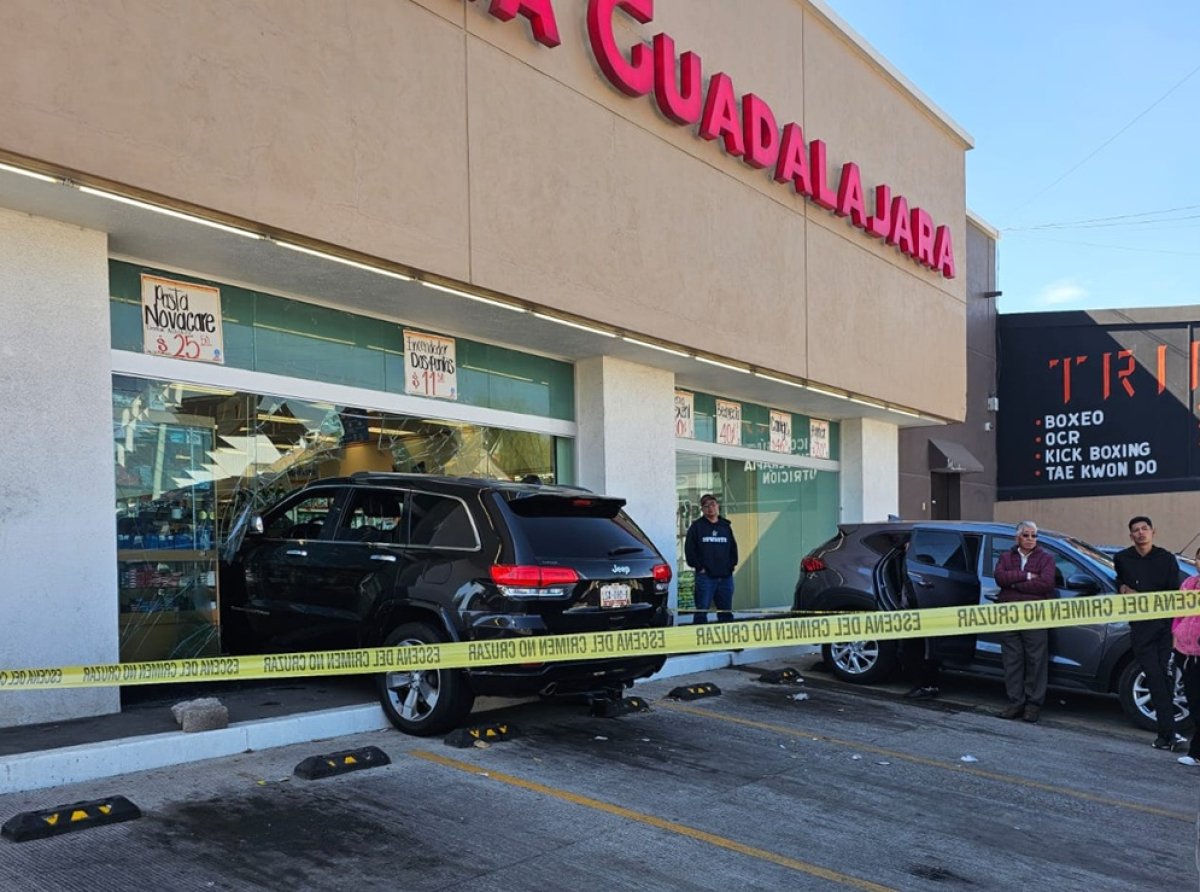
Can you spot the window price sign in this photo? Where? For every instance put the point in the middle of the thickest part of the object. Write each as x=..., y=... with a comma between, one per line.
x=181, y=320
x=685, y=415
x=781, y=431
x=729, y=423
x=430, y=366
x=818, y=438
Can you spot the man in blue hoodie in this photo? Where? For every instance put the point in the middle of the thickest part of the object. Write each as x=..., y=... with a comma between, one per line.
x=711, y=551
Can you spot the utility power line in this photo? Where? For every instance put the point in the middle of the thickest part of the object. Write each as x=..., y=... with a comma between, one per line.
x=1158, y=217
x=1104, y=144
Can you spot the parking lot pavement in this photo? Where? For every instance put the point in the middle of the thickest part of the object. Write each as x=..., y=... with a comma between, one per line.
x=752, y=789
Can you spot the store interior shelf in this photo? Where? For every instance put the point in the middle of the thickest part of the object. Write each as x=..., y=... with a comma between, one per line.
x=164, y=555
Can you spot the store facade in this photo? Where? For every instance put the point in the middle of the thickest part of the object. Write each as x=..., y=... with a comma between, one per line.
x=459, y=238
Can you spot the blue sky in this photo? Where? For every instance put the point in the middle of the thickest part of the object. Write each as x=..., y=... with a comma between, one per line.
x=1057, y=95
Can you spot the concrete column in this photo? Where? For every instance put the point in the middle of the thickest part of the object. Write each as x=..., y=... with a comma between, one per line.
x=57, y=530
x=626, y=447
x=870, y=470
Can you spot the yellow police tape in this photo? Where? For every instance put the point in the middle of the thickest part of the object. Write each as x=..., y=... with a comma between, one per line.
x=785, y=632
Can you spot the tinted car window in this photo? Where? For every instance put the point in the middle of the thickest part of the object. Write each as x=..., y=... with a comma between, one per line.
x=304, y=519
x=441, y=522
x=595, y=529
x=373, y=515
x=999, y=546
x=882, y=543
x=939, y=548
x=1065, y=568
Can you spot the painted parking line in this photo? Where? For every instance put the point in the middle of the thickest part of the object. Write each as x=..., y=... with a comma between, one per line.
x=669, y=826
x=896, y=755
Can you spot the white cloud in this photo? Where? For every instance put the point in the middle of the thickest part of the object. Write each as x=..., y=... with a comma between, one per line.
x=1064, y=291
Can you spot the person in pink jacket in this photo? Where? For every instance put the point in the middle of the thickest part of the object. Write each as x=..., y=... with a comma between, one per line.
x=1185, y=630
x=1025, y=573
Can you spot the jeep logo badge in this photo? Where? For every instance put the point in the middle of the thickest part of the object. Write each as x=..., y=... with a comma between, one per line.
x=617, y=568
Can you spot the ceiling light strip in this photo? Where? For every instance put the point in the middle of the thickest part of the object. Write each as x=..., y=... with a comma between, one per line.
x=865, y=402
x=723, y=365
x=821, y=390
x=579, y=325
x=479, y=298
x=775, y=380
x=169, y=212
x=658, y=347
x=32, y=174
x=345, y=261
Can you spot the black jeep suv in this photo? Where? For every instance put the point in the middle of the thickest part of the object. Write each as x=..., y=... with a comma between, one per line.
x=951, y=563
x=383, y=559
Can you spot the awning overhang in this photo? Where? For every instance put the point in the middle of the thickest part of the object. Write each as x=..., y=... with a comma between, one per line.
x=948, y=457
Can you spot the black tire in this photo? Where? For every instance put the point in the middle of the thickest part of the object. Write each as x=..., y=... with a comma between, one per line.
x=423, y=702
x=861, y=662
x=1135, y=697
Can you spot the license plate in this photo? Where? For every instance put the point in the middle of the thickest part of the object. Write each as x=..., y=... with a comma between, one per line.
x=615, y=594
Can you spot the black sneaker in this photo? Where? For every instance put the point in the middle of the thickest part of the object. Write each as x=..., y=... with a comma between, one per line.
x=1163, y=743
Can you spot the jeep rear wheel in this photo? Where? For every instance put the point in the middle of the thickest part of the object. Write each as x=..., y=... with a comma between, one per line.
x=860, y=662
x=1135, y=697
x=423, y=702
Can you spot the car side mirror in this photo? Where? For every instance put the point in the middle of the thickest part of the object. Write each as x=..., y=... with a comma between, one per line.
x=256, y=526
x=1081, y=582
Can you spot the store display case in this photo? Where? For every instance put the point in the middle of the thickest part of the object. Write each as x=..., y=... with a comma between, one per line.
x=167, y=559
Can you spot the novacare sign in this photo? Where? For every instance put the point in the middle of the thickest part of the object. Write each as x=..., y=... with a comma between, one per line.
x=748, y=129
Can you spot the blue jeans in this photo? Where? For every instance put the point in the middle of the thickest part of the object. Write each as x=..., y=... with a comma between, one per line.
x=710, y=589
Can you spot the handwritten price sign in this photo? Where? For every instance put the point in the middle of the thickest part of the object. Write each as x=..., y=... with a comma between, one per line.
x=729, y=423
x=781, y=431
x=181, y=320
x=430, y=365
x=685, y=415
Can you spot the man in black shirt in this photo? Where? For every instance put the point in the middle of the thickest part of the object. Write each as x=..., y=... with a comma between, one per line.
x=711, y=550
x=1144, y=567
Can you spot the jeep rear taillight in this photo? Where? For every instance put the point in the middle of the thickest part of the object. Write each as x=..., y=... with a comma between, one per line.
x=531, y=576
x=532, y=581
x=812, y=565
x=662, y=572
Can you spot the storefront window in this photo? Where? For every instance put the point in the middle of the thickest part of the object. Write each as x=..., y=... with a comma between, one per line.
x=756, y=432
x=778, y=513
x=189, y=459
x=266, y=333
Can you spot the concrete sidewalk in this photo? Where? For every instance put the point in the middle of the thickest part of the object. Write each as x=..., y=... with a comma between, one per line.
x=144, y=735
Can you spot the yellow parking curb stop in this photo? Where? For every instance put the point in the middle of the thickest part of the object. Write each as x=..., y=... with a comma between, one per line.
x=695, y=691
x=67, y=818
x=610, y=709
x=317, y=767
x=786, y=675
x=464, y=738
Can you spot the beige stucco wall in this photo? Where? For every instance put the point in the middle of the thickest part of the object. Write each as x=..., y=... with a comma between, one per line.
x=57, y=533
x=431, y=134
x=1105, y=521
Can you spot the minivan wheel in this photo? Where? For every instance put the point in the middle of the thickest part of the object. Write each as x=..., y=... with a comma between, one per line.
x=1135, y=697
x=860, y=662
x=423, y=702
